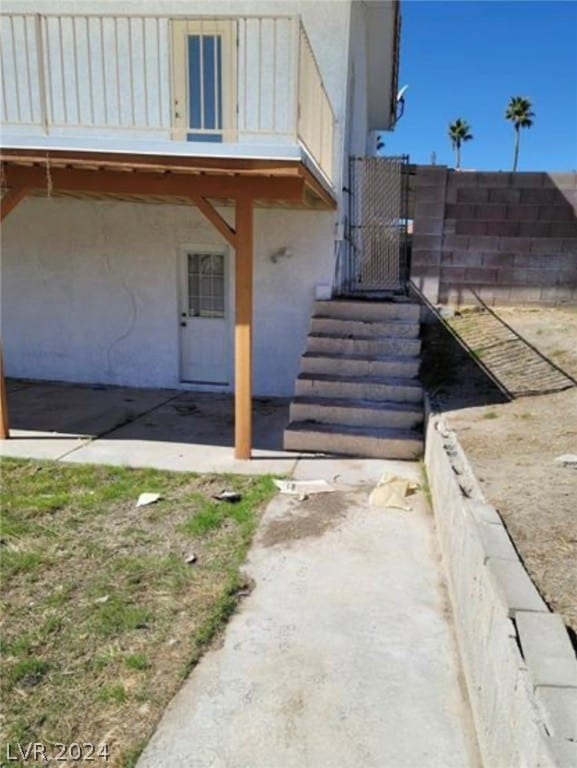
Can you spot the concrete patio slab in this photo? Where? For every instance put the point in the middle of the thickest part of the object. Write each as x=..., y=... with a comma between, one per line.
x=165, y=429
x=56, y=407
x=194, y=432
x=48, y=420
x=13, y=385
x=180, y=457
x=29, y=444
x=342, y=656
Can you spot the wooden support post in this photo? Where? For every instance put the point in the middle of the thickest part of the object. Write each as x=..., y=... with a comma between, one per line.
x=4, y=426
x=243, y=329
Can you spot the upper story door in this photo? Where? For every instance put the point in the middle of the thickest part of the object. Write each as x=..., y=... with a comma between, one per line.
x=204, y=80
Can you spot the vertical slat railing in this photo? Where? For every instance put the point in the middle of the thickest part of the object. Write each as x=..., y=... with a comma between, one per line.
x=41, y=74
x=131, y=72
x=16, y=73
x=274, y=65
x=201, y=75
x=89, y=62
x=316, y=119
x=160, y=88
x=66, y=71
x=98, y=71
x=267, y=72
x=28, y=69
x=296, y=69
x=103, y=69
x=79, y=119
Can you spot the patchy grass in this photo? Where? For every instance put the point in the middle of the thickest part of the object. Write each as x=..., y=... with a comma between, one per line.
x=102, y=617
x=490, y=415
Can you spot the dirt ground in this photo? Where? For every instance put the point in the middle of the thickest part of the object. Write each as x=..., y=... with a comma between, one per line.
x=513, y=444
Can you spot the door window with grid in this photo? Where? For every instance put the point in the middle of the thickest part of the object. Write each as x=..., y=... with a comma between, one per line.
x=206, y=285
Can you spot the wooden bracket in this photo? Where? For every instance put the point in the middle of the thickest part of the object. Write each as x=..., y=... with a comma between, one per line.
x=210, y=213
x=10, y=200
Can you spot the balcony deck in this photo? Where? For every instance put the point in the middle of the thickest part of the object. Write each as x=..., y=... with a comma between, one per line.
x=93, y=83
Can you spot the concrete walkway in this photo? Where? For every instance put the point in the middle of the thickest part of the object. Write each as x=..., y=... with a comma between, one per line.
x=342, y=656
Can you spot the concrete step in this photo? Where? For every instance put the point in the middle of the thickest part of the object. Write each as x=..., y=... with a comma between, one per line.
x=378, y=443
x=403, y=329
x=381, y=389
x=379, y=311
x=363, y=346
x=348, y=365
x=359, y=413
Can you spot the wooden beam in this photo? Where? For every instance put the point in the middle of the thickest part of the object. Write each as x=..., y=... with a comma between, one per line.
x=148, y=183
x=154, y=162
x=4, y=424
x=10, y=200
x=216, y=219
x=243, y=329
x=319, y=190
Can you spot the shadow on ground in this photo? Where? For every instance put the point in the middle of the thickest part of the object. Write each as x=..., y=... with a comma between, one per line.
x=476, y=358
x=123, y=413
x=451, y=375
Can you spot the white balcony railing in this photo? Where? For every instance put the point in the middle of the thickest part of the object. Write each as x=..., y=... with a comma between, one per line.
x=255, y=79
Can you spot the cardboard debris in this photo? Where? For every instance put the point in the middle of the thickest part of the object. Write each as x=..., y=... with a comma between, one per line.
x=102, y=600
x=568, y=460
x=303, y=487
x=147, y=498
x=391, y=492
x=231, y=496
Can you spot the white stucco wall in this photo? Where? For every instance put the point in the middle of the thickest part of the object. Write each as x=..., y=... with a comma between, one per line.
x=357, y=111
x=90, y=290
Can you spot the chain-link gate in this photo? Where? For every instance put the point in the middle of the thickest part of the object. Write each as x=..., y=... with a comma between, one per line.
x=376, y=241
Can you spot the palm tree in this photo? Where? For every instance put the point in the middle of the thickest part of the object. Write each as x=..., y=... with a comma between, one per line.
x=519, y=113
x=459, y=131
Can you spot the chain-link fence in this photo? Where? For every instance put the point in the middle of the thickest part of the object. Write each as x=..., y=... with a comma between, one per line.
x=377, y=249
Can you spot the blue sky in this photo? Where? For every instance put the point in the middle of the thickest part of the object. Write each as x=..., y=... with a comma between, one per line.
x=466, y=59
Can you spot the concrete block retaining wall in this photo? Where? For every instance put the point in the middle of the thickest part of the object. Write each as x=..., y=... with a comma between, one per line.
x=512, y=237
x=518, y=661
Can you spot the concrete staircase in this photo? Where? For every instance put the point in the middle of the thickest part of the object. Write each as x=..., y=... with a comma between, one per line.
x=358, y=393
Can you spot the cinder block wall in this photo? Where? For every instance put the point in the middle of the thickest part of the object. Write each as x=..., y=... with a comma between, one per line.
x=512, y=237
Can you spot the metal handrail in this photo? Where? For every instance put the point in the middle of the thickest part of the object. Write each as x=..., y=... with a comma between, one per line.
x=460, y=341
